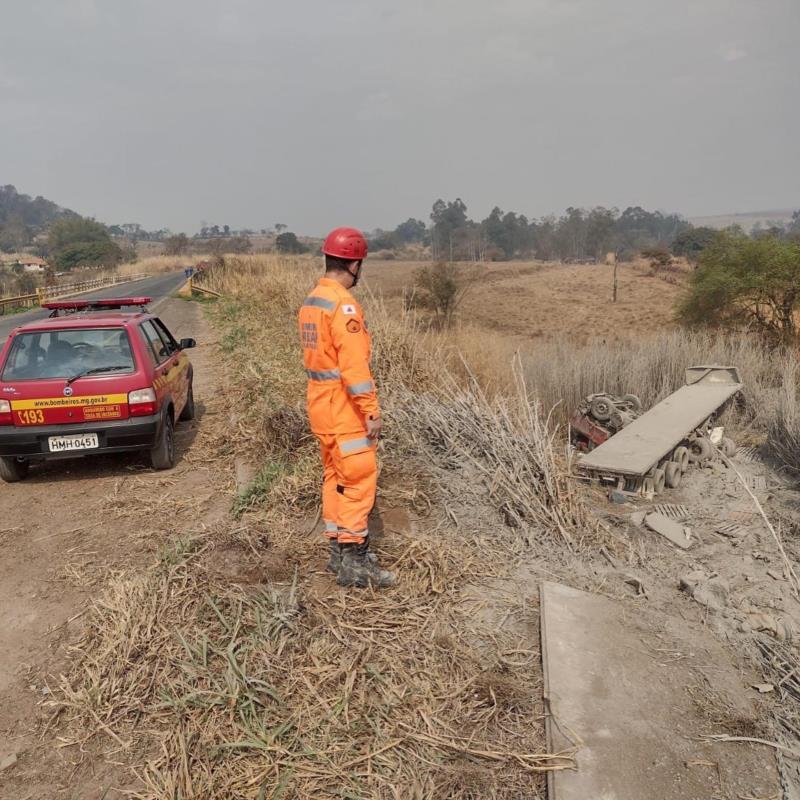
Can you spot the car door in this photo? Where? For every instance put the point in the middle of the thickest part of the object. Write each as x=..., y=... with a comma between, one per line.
x=179, y=373
x=165, y=363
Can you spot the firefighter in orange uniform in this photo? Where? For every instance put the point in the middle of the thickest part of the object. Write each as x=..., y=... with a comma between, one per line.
x=343, y=409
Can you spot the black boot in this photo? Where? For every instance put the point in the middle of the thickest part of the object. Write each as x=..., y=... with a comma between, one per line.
x=335, y=560
x=360, y=568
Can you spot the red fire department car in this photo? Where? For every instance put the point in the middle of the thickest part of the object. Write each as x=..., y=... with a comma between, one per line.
x=97, y=376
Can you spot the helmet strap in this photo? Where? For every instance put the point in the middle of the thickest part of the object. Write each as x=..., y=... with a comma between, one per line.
x=357, y=274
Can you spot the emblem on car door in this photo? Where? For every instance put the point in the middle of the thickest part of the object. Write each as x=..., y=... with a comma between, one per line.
x=67, y=391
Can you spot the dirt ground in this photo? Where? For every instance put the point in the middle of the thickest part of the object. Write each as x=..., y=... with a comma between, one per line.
x=64, y=529
x=699, y=611
x=551, y=300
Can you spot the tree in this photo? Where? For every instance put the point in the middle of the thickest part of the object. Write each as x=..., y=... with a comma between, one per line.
x=746, y=282
x=176, y=245
x=448, y=218
x=279, y=228
x=691, y=242
x=288, y=243
x=793, y=228
x=410, y=231
x=78, y=242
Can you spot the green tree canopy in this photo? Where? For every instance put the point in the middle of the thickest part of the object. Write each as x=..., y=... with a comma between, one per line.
x=80, y=242
x=744, y=282
x=288, y=242
x=691, y=242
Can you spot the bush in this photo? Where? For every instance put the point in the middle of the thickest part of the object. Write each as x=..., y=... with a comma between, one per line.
x=288, y=242
x=746, y=283
x=440, y=288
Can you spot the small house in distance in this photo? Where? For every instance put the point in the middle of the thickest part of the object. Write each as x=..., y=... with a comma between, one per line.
x=32, y=264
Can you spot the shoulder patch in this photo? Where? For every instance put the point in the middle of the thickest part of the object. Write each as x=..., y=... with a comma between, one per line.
x=353, y=326
x=348, y=309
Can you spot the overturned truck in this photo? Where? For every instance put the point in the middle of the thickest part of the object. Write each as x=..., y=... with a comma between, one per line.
x=656, y=449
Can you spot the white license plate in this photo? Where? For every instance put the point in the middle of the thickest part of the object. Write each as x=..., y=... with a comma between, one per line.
x=81, y=441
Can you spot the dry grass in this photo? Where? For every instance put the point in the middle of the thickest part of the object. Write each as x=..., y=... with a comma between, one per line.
x=153, y=265
x=527, y=302
x=234, y=667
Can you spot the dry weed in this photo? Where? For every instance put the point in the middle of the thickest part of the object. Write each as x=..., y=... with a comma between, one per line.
x=234, y=667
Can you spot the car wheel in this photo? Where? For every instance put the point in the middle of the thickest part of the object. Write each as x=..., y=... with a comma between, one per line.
x=162, y=456
x=188, y=409
x=12, y=469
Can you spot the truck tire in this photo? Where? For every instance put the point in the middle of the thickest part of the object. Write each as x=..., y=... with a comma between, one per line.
x=681, y=456
x=633, y=401
x=601, y=409
x=659, y=480
x=162, y=456
x=188, y=409
x=673, y=474
x=728, y=447
x=12, y=469
x=700, y=451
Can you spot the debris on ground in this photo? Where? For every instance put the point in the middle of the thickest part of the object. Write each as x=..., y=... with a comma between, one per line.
x=678, y=534
x=8, y=762
x=709, y=591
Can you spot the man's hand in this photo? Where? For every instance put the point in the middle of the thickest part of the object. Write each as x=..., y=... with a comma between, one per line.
x=374, y=427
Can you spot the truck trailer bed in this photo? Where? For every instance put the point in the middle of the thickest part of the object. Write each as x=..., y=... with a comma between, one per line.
x=650, y=438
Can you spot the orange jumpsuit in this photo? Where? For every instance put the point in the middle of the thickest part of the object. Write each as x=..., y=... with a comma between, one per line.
x=341, y=396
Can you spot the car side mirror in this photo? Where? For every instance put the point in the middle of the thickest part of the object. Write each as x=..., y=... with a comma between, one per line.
x=185, y=344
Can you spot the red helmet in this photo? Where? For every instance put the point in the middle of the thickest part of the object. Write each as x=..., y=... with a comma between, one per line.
x=347, y=243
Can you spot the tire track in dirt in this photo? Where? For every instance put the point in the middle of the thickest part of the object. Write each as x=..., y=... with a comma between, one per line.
x=62, y=532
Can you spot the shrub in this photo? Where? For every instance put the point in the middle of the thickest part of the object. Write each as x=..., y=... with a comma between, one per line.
x=440, y=288
x=742, y=282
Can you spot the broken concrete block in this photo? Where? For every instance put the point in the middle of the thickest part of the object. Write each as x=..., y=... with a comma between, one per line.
x=637, y=518
x=763, y=688
x=709, y=592
x=8, y=762
x=669, y=529
x=617, y=497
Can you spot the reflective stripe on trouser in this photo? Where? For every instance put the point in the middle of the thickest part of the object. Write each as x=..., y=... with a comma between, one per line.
x=331, y=529
x=350, y=480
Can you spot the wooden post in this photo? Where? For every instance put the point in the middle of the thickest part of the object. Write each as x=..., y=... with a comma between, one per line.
x=611, y=258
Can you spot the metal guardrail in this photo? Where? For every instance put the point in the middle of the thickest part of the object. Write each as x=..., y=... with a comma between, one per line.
x=45, y=293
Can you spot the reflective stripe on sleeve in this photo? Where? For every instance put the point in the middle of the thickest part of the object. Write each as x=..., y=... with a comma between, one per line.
x=320, y=302
x=361, y=388
x=355, y=444
x=324, y=374
x=331, y=527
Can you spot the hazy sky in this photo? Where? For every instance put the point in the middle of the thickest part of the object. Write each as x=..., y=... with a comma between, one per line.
x=318, y=113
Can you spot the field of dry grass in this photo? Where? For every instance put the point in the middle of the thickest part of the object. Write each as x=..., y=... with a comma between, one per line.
x=526, y=302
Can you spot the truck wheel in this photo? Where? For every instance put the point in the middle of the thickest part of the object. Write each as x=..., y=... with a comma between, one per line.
x=681, y=456
x=633, y=401
x=728, y=446
x=659, y=480
x=188, y=409
x=648, y=485
x=700, y=451
x=162, y=456
x=673, y=474
x=601, y=409
x=12, y=469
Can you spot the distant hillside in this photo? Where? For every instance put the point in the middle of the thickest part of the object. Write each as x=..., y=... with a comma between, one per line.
x=23, y=217
x=746, y=219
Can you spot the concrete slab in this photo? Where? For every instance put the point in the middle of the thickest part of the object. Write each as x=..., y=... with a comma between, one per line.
x=658, y=431
x=618, y=693
x=669, y=529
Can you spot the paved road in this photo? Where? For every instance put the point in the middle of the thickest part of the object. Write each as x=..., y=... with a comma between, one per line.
x=159, y=287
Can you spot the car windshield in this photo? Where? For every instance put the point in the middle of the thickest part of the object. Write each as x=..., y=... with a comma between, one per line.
x=66, y=353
